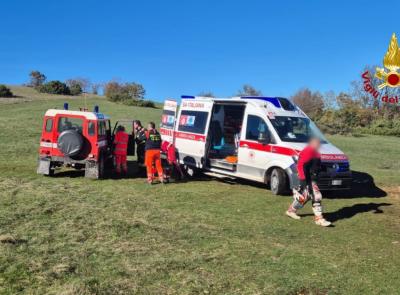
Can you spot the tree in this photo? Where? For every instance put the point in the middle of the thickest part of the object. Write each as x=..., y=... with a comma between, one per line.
x=95, y=88
x=79, y=83
x=329, y=98
x=116, y=91
x=206, y=94
x=135, y=90
x=5, y=91
x=248, y=90
x=54, y=87
x=37, y=78
x=75, y=86
x=310, y=102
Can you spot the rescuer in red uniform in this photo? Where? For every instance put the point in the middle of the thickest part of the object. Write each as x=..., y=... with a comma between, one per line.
x=120, y=149
x=169, y=149
x=153, y=153
x=308, y=167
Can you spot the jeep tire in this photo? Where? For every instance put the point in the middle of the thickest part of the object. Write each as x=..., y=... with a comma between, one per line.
x=70, y=143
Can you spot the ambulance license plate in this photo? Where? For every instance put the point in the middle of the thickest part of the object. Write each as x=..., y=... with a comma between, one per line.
x=337, y=182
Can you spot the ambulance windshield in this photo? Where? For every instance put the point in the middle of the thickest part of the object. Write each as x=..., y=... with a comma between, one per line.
x=296, y=129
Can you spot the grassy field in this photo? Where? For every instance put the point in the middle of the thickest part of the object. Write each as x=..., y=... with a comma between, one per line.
x=71, y=235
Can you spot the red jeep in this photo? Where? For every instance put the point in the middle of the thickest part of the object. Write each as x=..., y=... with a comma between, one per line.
x=78, y=139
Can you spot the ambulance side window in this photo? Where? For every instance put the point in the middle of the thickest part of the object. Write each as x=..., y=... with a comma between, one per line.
x=193, y=121
x=49, y=125
x=256, y=128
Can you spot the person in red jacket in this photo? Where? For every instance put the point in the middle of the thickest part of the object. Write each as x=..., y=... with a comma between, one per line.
x=120, y=149
x=169, y=149
x=308, y=167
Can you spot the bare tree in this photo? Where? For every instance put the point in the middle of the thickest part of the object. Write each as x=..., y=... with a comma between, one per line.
x=95, y=88
x=248, y=90
x=329, y=98
x=84, y=83
x=311, y=103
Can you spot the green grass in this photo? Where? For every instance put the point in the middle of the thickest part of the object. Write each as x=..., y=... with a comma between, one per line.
x=71, y=235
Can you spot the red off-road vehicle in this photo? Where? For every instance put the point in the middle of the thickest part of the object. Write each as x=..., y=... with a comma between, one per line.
x=78, y=139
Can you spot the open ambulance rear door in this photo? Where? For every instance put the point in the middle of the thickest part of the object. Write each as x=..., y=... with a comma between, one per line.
x=168, y=120
x=191, y=131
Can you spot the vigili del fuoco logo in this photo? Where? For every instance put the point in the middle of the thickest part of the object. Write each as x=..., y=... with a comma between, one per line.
x=388, y=76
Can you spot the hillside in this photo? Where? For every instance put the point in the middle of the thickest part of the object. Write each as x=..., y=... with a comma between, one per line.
x=71, y=235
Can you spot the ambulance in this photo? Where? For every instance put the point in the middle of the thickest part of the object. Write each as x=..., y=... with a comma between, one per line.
x=249, y=137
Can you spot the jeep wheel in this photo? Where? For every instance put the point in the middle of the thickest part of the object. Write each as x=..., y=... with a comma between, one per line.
x=101, y=167
x=278, y=182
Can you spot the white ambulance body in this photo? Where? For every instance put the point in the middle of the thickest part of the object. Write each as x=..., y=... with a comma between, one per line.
x=255, y=138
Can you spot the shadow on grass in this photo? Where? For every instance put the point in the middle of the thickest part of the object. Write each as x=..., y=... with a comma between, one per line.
x=363, y=186
x=349, y=212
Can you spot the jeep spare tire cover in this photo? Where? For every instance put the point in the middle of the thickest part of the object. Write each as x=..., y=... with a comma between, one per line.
x=70, y=142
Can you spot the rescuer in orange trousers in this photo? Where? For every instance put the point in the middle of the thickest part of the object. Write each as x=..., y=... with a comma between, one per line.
x=120, y=149
x=153, y=153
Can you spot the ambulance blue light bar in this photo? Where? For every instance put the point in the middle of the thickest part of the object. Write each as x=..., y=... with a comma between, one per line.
x=273, y=100
x=187, y=97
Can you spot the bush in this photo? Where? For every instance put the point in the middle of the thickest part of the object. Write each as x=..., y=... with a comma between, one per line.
x=54, y=87
x=140, y=103
x=75, y=89
x=5, y=91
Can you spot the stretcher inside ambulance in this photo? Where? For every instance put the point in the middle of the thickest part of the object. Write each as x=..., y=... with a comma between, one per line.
x=256, y=138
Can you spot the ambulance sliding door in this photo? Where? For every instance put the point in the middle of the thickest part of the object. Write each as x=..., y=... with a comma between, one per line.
x=191, y=132
x=168, y=120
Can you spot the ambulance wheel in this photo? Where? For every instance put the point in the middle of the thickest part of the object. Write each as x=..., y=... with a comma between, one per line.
x=278, y=182
x=190, y=171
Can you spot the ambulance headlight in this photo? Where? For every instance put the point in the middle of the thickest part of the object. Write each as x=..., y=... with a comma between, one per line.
x=295, y=158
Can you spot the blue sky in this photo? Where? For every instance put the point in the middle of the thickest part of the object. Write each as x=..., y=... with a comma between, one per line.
x=185, y=47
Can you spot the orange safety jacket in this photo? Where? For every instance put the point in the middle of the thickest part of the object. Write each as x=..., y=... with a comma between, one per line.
x=121, y=143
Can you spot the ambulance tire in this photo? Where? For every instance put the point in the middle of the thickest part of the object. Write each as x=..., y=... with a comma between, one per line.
x=190, y=171
x=278, y=182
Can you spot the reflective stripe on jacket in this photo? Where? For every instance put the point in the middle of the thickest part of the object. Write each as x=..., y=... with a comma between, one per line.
x=121, y=143
x=153, y=140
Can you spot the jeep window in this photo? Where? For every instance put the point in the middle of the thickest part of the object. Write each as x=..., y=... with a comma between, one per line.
x=256, y=128
x=193, y=122
x=91, y=128
x=65, y=123
x=49, y=125
x=102, y=128
x=296, y=129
